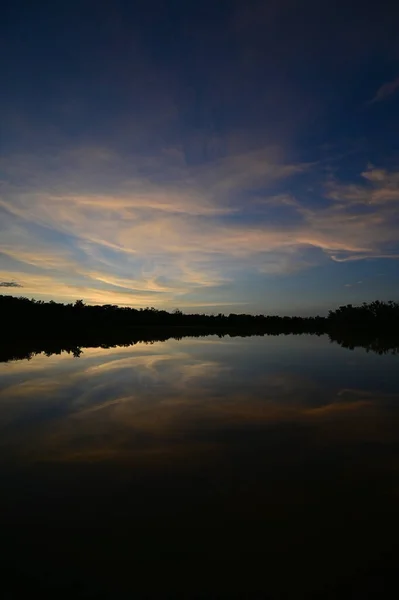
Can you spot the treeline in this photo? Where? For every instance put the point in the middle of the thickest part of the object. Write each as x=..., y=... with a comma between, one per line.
x=33, y=316
x=375, y=316
x=22, y=316
x=374, y=326
x=30, y=327
x=33, y=326
x=33, y=313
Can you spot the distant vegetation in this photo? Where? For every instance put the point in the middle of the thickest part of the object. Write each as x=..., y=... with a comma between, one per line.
x=32, y=326
x=48, y=318
x=377, y=317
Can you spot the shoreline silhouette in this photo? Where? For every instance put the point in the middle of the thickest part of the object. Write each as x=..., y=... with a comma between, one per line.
x=33, y=326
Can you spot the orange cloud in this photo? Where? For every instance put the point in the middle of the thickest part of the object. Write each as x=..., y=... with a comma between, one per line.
x=158, y=242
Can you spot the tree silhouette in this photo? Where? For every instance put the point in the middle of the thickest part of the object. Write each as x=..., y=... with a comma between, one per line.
x=36, y=325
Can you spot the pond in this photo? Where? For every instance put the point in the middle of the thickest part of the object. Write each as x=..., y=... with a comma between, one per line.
x=207, y=467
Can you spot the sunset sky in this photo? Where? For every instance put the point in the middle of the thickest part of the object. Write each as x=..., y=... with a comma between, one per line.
x=210, y=155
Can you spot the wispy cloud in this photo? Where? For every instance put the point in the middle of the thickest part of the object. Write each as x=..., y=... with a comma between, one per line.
x=379, y=186
x=10, y=284
x=364, y=256
x=182, y=235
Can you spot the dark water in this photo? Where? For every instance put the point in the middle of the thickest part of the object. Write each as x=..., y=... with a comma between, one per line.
x=255, y=467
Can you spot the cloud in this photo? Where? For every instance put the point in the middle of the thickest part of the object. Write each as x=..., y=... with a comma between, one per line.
x=166, y=227
x=39, y=285
x=387, y=89
x=10, y=284
x=182, y=235
x=364, y=256
x=353, y=284
x=380, y=187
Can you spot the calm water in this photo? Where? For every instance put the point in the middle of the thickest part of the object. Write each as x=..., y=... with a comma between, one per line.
x=250, y=467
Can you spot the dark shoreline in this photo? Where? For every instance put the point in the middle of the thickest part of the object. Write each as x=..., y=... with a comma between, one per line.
x=30, y=327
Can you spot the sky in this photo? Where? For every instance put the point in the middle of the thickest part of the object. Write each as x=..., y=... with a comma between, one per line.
x=212, y=155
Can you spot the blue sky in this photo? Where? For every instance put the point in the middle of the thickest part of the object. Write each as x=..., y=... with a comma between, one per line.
x=220, y=156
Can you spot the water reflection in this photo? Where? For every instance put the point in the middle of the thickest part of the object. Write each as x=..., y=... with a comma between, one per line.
x=21, y=348
x=271, y=454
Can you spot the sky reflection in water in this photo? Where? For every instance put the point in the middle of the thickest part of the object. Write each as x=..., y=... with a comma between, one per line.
x=205, y=446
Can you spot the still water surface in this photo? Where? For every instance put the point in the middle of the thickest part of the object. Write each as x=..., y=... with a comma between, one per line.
x=245, y=467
